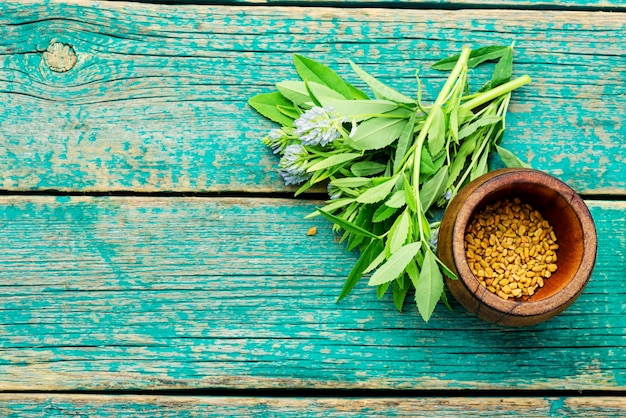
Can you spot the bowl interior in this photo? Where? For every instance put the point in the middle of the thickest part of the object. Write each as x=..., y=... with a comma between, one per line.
x=554, y=206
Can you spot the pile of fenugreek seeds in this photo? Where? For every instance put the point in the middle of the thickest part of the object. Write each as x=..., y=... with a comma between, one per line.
x=511, y=249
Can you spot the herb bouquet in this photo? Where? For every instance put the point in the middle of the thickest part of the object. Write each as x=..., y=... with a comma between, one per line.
x=391, y=161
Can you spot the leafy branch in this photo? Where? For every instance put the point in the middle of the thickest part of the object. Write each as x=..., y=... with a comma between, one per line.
x=390, y=161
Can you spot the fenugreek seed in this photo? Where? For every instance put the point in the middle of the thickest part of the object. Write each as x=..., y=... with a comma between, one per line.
x=552, y=267
x=540, y=282
x=508, y=248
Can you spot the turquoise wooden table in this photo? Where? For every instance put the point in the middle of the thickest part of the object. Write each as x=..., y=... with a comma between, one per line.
x=153, y=263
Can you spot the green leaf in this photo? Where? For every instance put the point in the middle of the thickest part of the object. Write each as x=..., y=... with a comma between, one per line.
x=360, y=109
x=429, y=286
x=476, y=57
x=374, y=247
x=404, y=142
x=399, y=290
x=395, y=265
x=351, y=181
x=427, y=166
x=377, y=132
x=367, y=168
x=397, y=200
x=409, y=194
x=331, y=207
x=449, y=273
x=471, y=127
x=433, y=188
x=296, y=91
x=383, y=213
x=378, y=193
x=348, y=226
x=444, y=299
x=399, y=232
x=437, y=131
x=333, y=160
x=480, y=167
x=466, y=148
x=381, y=90
x=268, y=106
x=382, y=289
x=377, y=261
x=290, y=112
x=413, y=272
x=509, y=159
x=310, y=70
x=502, y=71
x=312, y=95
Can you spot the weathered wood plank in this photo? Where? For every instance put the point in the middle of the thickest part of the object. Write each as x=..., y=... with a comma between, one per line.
x=544, y=4
x=157, y=98
x=168, y=293
x=166, y=406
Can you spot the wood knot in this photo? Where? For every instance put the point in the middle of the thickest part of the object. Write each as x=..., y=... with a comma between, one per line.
x=59, y=57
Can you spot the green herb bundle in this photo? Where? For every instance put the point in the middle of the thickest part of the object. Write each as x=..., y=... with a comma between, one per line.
x=390, y=162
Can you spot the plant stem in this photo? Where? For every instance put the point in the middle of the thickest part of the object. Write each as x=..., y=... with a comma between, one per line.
x=495, y=92
x=461, y=65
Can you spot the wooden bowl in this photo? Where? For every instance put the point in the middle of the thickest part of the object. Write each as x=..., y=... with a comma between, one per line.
x=560, y=206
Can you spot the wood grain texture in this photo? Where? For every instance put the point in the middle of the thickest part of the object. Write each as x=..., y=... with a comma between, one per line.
x=174, y=406
x=547, y=4
x=180, y=293
x=157, y=98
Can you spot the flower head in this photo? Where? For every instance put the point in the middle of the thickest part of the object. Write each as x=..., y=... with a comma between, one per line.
x=292, y=164
x=334, y=192
x=318, y=126
x=277, y=140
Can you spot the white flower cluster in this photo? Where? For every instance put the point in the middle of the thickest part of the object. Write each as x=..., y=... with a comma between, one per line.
x=318, y=126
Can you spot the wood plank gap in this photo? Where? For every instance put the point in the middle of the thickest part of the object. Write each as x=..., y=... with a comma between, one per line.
x=308, y=196
x=336, y=393
x=386, y=5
